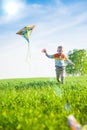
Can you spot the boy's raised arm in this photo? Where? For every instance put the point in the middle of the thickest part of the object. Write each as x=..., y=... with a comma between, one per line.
x=45, y=51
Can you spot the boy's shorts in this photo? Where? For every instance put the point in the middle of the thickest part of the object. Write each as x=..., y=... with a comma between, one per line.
x=60, y=71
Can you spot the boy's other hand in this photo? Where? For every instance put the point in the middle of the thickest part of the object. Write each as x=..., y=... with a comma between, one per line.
x=73, y=66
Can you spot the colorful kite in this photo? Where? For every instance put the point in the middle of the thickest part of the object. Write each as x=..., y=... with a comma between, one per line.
x=25, y=32
x=74, y=125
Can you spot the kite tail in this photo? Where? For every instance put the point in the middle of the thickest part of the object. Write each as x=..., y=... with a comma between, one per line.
x=28, y=54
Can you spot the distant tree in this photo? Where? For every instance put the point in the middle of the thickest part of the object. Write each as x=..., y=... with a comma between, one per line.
x=79, y=57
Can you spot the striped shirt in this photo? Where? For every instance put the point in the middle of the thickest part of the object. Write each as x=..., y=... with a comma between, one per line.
x=60, y=59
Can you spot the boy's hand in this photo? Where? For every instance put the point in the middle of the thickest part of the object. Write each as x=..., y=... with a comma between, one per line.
x=44, y=50
x=73, y=66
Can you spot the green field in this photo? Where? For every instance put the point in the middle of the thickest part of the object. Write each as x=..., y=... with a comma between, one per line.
x=42, y=103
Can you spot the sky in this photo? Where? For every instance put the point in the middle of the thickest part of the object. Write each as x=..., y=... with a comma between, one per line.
x=57, y=22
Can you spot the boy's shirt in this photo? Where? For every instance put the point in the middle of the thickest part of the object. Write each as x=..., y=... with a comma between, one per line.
x=59, y=59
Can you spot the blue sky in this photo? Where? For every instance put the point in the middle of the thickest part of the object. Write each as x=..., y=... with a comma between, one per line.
x=57, y=22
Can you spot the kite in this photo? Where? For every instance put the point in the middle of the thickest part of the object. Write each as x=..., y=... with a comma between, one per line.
x=74, y=125
x=26, y=32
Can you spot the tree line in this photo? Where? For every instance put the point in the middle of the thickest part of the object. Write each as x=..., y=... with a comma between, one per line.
x=79, y=58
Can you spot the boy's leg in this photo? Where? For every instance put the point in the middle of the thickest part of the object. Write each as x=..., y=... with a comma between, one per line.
x=58, y=72
x=62, y=75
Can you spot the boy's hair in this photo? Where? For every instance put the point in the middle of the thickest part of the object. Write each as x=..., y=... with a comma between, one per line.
x=60, y=46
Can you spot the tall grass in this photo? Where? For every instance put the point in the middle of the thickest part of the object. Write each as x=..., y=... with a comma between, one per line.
x=42, y=104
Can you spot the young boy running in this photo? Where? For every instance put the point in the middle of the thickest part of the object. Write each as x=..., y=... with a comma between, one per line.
x=60, y=59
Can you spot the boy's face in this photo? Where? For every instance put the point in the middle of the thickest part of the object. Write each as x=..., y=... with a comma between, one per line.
x=60, y=50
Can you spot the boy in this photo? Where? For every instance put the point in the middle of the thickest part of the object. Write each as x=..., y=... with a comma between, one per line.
x=60, y=59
